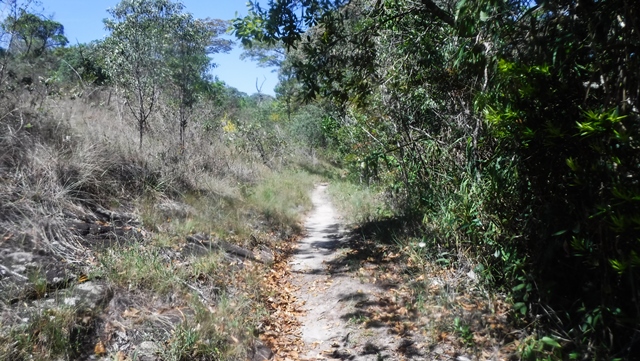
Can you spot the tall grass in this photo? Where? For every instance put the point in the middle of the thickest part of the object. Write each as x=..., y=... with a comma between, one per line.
x=357, y=203
x=283, y=198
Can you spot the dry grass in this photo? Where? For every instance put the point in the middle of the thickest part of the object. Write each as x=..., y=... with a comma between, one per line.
x=62, y=161
x=73, y=154
x=283, y=198
x=49, y=334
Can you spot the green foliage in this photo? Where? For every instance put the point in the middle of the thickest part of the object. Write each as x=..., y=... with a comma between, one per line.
x=544, y=348
x=188, y=63
x=260, y=130
x=463, y=331
x=509, y=127
x=155, y=47
x=140, y=268
x=33, y=34
x=282, y=20
x=307, y=127
x=83, y=63
x=357, y=203
x=136, y=49
x=30, y=41
x=52, y=333
x=265, y=54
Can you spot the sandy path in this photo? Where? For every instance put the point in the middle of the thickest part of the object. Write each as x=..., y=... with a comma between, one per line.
x=332, y=327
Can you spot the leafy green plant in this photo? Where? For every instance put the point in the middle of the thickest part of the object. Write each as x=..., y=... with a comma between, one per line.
x=544, y=348
x=463, y=331
x=38, y=281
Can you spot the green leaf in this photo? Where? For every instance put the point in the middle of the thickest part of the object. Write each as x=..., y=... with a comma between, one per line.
x=519, y=287
x=550, y=342
x=572, y=164
x=520, y=307
x=559, y=233
x=618, y=266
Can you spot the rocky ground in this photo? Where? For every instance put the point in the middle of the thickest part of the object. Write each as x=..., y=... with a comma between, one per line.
x=56, y=300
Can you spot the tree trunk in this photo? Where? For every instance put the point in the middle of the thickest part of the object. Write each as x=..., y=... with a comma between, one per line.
x=141, y=128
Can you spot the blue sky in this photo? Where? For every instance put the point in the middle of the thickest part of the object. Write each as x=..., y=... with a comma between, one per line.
x=82, y=20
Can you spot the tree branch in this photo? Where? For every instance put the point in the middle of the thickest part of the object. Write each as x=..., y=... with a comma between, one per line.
x=438, y=12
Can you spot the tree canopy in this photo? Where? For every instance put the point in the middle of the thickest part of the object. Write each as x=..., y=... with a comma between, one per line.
x=33, y=34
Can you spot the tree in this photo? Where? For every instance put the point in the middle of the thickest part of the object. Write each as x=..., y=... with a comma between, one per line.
x=275, y=55
x=33, y=34
x=30, y=41
x=83, y=62
x=194, y=41
x=267, y=55
x=136, y=50
x=154, y=46
x=188, y=63
x=288, y=88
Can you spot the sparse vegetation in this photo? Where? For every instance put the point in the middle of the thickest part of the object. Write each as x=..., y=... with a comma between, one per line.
x=48, y=334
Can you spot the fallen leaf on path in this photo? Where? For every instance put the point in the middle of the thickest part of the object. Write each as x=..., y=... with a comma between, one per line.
x=99, y=349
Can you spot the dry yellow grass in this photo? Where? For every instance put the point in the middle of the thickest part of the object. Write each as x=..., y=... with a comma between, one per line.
x=68, y=157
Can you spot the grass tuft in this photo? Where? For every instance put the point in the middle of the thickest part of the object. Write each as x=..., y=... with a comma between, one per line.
x=357, y=203
x=48, y=334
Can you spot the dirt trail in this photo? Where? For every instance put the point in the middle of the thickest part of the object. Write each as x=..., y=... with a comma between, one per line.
x=335, y=300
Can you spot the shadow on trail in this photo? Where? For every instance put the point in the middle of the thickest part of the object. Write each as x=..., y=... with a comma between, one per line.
x=383, y=313
x=370, y=246
x=372, y=242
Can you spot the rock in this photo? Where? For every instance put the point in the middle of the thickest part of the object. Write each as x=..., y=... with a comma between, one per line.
x=472, y=275
x=260, y=352
x=21, y=257
x=70, y=301
x=147, y=351
x=85, y=296
x=264, y=254
x=115, y=217
x=199, y=244
x=91, y=294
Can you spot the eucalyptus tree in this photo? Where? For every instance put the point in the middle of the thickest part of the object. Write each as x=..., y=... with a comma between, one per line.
x=276, y=55
x=155, y=46
x=195, y=40
x=136, y=50
x=31, y=41
x=83, y=63
x=188, y=62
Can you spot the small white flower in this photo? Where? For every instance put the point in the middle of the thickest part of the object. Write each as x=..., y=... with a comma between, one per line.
x=422, y=244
